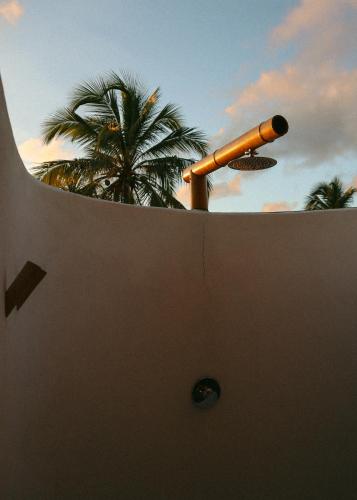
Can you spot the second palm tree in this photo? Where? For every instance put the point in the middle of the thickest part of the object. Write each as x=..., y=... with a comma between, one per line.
x=327, y=195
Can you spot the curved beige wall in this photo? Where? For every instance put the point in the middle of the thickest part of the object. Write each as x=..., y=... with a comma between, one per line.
x=98, y=365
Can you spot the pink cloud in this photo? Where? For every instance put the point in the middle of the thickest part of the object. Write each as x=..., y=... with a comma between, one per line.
x=316, y=90
x=11, y=11
x=220, y=190
x=278, y=206
x=33, y=151
x=183, y=194
x=225, y=189
x=306, y=16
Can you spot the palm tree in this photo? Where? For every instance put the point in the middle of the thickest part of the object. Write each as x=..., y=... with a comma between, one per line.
x=134, y=150
x=329, y=195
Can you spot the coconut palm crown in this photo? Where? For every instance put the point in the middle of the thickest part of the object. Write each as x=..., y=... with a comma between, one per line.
x=134, y=150
x=327, y=195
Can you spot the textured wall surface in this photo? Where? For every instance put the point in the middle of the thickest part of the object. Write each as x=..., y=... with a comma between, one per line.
x=98, y=364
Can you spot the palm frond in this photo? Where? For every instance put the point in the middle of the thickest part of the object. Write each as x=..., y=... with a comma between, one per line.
x=146, y=113
x=347, y=197
x=68, y=124
x=182, y=140
x=167, y=171
x=84, y=170
x=165, y=121
x=329, y=195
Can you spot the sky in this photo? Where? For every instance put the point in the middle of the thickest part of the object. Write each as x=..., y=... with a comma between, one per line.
x=229, y=65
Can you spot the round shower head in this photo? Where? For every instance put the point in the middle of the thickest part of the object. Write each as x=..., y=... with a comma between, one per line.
x=251, y=162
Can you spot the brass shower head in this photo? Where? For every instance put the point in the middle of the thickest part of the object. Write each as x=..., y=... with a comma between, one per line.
x=252, y=162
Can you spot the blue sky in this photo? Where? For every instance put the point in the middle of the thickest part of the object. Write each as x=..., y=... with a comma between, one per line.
x=228, y=64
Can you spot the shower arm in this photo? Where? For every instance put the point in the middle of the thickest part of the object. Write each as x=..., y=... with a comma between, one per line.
x=195, y=174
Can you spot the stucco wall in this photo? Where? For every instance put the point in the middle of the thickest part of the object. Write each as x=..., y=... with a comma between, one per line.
x=98, y=365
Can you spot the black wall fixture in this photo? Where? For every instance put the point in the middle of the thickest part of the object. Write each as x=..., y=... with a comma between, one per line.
x=22, y=286
x=205, y=393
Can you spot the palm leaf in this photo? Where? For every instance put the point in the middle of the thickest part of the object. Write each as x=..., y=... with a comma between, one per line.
x=329, y=195
x=182, y=140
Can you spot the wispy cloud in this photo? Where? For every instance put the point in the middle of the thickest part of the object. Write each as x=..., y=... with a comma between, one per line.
x=225, y=189
x=220, y=190
x=216, y=139
x=183, y=194
x=316, y=90
x=33, y=151
x=278, y=206
x=11, y=11
x=306, y=16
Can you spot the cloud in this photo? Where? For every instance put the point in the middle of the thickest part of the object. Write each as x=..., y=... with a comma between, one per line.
x=220, y=190
x=216, y=139
x=278, y=206
x=11, y=11
x=225, y=189
x=316, y=90
x=304, y=17
x=33, y=151
x=183, y=194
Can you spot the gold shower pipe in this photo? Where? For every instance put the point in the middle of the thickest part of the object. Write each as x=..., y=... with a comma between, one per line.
x=195, y=174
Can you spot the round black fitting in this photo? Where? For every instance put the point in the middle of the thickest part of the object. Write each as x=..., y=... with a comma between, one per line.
x=206, y=393
x=280, y=124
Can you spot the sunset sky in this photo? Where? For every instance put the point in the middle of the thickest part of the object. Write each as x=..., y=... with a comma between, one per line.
x=228, y=64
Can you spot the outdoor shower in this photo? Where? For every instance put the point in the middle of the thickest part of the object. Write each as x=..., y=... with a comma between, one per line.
x=232, y=154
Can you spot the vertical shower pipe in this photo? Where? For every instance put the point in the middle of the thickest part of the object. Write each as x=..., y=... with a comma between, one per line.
x=264, y=133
